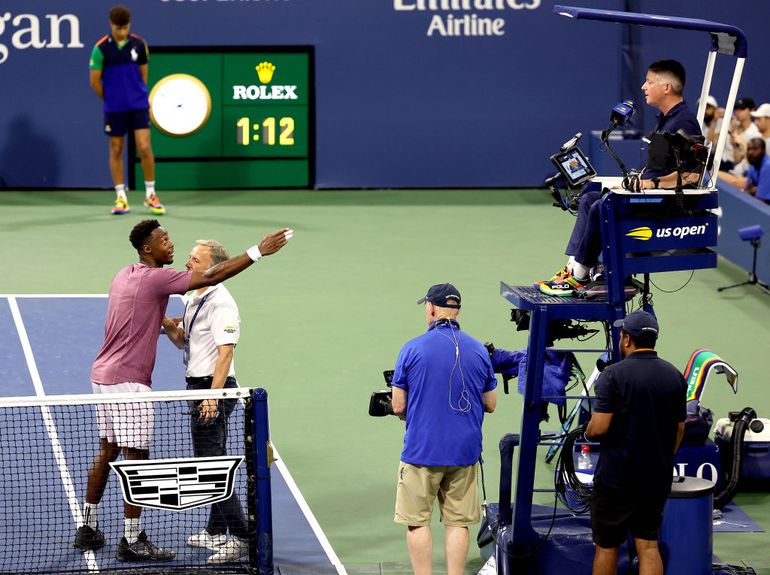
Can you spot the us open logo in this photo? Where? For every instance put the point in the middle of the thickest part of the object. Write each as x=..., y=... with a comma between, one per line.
x=645, y=233
x=177, y=484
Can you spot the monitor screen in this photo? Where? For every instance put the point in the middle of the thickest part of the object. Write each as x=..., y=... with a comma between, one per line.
x=574, y=166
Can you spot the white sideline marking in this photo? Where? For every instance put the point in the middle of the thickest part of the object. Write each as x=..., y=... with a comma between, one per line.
x=50, y=426
x=309, y=517
x=53, y=295
x=61, y=295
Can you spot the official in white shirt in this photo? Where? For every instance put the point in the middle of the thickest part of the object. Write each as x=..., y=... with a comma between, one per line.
x=208, y=333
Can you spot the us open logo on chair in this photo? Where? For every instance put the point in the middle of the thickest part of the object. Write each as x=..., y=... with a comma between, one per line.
x=177, y=484
x=641, y=233
x=645, y=233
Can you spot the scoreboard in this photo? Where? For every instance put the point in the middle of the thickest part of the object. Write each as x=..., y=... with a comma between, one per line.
x=231, y=117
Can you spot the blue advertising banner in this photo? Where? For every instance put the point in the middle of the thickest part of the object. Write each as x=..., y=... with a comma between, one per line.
x=408, y=93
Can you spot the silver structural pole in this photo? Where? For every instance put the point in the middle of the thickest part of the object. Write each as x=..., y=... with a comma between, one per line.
x=728, y=112
x=706, y=88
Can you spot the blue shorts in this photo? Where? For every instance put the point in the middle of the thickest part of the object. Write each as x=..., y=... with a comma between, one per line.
x=118, y=123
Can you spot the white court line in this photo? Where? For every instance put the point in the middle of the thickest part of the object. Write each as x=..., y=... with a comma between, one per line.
x=309, y=517
x=53, y=295
x=50, y=426
x=61, y=295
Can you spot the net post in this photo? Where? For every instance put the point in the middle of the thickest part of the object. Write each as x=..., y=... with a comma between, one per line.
x=260, y=498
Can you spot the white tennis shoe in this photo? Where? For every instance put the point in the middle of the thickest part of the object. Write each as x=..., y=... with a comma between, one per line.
x=207, y=540
x=233, y=550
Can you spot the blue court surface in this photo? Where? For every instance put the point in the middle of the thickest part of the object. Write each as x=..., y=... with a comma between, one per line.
x=47, y=346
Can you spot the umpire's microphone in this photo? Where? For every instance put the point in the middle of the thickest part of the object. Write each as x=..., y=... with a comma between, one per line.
x=621, y=114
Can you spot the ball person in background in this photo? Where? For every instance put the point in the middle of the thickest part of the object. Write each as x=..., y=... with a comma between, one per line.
x=137, y=304
x=118, y=75
x=638, y=416
x=443, y=383
x=208, y=334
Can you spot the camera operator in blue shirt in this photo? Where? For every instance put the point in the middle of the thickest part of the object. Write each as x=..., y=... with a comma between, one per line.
x=443, y=384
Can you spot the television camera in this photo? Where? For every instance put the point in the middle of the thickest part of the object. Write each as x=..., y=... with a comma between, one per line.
x=381, y=402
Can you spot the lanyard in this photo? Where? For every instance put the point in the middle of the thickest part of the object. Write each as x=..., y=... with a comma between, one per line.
x=188, y=330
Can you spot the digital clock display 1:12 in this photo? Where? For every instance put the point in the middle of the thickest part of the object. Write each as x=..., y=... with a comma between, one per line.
x=264, y=131
x=270, y=131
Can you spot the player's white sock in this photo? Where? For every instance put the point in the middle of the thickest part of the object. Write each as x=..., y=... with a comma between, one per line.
x=90, y=517
x=131, y=529
x=580, y=272
x=570, y=262
x=120, y=190
x=149, y=189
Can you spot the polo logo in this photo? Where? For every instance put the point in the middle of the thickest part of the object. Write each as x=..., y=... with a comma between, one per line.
x=177, y=484
x=641, y=233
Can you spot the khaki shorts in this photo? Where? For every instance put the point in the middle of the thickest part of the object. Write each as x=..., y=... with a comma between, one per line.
x=455, y=487
x=129, y=425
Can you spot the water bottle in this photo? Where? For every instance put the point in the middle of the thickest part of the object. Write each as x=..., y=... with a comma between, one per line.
x=584, y=459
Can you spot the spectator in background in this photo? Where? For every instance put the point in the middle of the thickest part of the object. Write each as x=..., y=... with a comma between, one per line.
x=762, y=122
x=758, y=176
x=711, y=124
x=742, y=129
x=757, y=179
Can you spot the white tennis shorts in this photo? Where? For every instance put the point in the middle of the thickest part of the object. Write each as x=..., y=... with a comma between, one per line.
x=129, y=425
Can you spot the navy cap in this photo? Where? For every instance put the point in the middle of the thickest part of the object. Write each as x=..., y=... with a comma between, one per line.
x=745, y=103
x=439, y=294
x=639, y=323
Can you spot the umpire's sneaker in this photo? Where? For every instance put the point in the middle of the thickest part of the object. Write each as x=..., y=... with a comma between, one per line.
x=142, y=550
x=233, y=550
x=89, y=539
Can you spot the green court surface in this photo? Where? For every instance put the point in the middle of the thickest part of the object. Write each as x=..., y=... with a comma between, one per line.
x=323, y=318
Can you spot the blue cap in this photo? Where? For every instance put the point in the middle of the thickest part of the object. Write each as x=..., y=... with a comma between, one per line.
x=639, y=323
x=439, y=294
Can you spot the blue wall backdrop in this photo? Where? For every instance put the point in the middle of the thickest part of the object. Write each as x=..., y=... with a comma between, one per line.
x=401, y=100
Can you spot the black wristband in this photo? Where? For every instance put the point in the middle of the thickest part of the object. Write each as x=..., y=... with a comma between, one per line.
x=656, y=182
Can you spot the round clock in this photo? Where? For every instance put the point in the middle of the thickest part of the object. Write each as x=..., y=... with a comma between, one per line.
x=180, y=105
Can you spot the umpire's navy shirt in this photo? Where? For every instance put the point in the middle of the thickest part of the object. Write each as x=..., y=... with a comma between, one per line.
x=439, y=430
x=647, y=397
x=680, y=117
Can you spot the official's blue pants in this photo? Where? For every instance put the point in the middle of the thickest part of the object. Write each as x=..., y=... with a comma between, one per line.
x=585, y=242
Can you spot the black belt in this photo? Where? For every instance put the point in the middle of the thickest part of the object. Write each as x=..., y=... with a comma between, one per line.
x=207, y=380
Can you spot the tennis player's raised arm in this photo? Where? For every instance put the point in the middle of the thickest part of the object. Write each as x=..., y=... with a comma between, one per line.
x=270, y=244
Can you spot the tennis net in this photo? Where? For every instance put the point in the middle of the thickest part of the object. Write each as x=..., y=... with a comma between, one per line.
x=48, y=446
